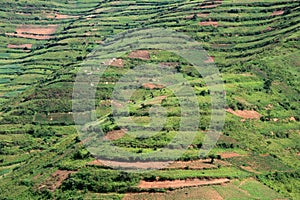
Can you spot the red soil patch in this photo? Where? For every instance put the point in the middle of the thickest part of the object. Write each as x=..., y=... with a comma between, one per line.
x=96, y=162
x=115, y=62
x=157, y=100
x=114, y=135
x=276, y=13
x=19, y=46
x=140, y=54
x=189, y=17
x=268, y=29
x=249, y=169
x=194, y=164
x=194, y=193
x=133, y=165
x=202, y=14
x=209, y=23
x=210, y=6
x=229, y=155
x=210, y=59
x=181, y=183
x=56, y=179
x=152, y=86
x=246, y=114
x=34, y=31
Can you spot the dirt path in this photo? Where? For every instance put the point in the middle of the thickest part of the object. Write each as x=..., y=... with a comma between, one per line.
x=181, y=183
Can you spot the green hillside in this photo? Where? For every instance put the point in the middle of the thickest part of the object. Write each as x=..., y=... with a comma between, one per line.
x=254, y=45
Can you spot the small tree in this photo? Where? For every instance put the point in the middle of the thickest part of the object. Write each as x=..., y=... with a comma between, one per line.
x=267, y=85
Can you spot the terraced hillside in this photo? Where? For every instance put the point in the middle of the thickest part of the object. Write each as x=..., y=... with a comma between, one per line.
x=255, y=46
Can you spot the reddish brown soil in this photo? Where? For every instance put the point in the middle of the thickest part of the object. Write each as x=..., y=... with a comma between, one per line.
x=181, y=183
x=229, y=155
x=194, y=193
x=115, y=62
x=157, y=100
x=246, y=114
x=96, y=162
x=114, y=135
x=34, y=31
x=19, y=46
x=202, y=14
x=140, y=54
x=268, y=29
x=209, y=23
x=194, y=164
x=132, y=165
x=152, y=86
x=210, y=59
x=276, y=13
x=56, y=179
x=210, y=6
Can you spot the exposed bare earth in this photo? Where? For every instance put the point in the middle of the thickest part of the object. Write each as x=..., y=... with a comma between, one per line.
x=195, y=193
x=114, y=135
x=194, y=164
x=157, y=100
x=229, y=155
x=181, y=183
x=202, y=14
x=19, y=46
x=210, y=59
x=56, y=179
x=34, y=31
x=209, y=23
x=115, y=62
x=131, y=165
x=246, y=114
x=152, y=86
x=140, y=54
x=60, y=16
x=279, y=12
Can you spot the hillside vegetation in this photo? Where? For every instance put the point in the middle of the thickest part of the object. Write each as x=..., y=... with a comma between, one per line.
x=255, y=46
